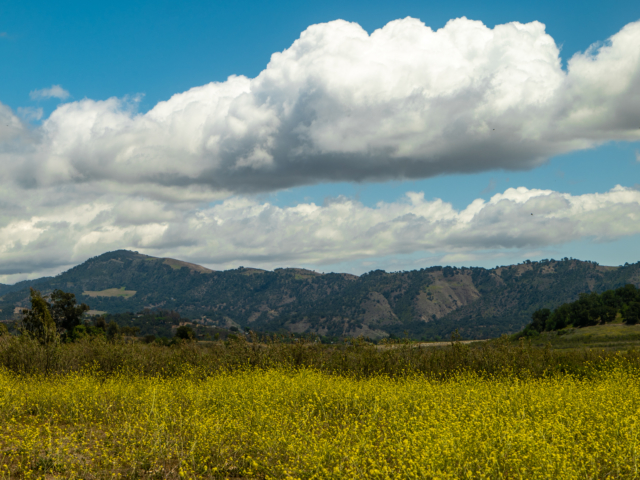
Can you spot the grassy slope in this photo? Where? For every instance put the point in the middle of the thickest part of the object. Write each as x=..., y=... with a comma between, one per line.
x=614, y=336
x=110, y=292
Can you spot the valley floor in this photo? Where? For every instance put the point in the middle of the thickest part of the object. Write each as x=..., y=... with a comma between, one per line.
x=98, y=409
x=306, y=424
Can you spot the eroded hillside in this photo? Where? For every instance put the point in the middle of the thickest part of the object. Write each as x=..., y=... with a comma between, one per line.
x=426, y=303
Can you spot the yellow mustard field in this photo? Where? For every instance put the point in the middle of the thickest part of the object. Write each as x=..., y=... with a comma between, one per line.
x=305, y=424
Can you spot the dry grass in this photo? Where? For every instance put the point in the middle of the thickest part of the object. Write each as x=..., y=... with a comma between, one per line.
x=357, y=358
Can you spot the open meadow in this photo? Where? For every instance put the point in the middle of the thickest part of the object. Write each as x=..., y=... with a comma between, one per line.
x=294, y=410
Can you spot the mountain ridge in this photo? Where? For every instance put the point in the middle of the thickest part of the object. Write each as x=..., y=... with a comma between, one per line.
x=428, y=303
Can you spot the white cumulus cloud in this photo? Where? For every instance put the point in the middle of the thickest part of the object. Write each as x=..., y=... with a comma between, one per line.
x=343, y=105
x=55, y=91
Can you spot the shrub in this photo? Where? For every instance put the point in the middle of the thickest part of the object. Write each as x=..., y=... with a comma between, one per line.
x=184, y=332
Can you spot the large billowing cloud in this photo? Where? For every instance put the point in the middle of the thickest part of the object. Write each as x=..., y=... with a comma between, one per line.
x=244, y=231
x=340, y=104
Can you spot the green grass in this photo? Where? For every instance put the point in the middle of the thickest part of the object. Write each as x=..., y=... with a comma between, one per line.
x=299, y=276
x=609, y=336
x=111, y=292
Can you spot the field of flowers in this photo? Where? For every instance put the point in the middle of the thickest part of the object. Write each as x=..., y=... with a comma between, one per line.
x=302, y=423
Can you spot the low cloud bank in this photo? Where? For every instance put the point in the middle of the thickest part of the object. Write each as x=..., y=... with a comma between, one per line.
x=241, y=231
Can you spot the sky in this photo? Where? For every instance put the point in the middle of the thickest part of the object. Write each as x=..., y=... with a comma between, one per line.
x=337, y=136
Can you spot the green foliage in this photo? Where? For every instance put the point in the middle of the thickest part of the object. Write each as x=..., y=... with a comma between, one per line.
x=539, y=323
x=78, y=332
x=631, y=313
x=66, y=314
x=38, y=322
x=48, y=321
x=100, y=323
x=160, y=324
x=184, y=332
x=84, y=330
x=113, y=331
x=590, y=309
x=337, y=305
x=129, y=331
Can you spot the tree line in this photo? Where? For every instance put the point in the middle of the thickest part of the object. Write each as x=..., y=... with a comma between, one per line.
x=58, y=317
x=590, y=309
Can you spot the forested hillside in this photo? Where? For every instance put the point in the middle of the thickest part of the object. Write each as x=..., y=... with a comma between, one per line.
x=428, y=303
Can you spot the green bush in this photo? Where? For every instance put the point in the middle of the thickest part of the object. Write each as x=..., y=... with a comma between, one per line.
x=184, y=332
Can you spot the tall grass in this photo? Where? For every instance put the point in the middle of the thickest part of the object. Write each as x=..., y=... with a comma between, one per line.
x=359, y=359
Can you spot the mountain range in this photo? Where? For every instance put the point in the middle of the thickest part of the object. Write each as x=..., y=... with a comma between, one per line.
x=429, y=303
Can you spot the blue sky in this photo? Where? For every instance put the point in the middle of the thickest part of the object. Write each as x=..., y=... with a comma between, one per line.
x=158, y=48
x=64, y=201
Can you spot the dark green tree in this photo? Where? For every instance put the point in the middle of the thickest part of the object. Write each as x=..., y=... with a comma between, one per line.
x=560, y=318
x=628, y=294
x=185, y=332
x=113, y=331
x=611, y=299
x=539, y=318
x=65, y=312
x=38, y=322
x=632, y=313
x=100, y=323
x=78, y=332
x=605, y=313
